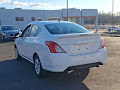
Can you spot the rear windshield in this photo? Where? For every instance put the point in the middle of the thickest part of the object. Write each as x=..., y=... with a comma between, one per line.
x=65, y=28
x=7, y=28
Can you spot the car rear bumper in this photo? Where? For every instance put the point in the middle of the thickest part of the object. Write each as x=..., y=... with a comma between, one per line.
x=60, y=62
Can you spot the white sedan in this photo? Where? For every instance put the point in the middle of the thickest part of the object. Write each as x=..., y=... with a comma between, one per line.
x=57, y=46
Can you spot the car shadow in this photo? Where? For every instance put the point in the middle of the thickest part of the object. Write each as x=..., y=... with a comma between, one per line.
x=6, y=41
x=20, y=75
x=111, y=34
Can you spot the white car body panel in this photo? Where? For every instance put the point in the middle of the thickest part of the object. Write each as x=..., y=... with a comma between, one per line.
x=80, y=49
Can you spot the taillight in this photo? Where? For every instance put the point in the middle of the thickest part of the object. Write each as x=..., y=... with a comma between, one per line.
x=102, y=43
x=54, y=47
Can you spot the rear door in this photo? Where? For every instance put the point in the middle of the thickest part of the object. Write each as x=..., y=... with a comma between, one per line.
x=32, y=41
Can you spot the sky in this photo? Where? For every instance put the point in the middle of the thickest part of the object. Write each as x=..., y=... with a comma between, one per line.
x=101, y=5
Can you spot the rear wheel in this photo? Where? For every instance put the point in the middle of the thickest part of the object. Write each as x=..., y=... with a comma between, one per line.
x=17, y=56
x=38, y=68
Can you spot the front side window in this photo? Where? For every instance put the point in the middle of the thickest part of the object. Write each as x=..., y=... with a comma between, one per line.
x=35, y=30
x=65, y=28
x=26, y=32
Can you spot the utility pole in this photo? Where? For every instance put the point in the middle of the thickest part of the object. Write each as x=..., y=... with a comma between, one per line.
x=81, y=17
x=112, y=14
x=0, y=22
x=67, y=10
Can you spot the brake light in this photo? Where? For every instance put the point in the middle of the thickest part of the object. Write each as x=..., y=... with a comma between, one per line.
x=102, y=43
x=54, y=47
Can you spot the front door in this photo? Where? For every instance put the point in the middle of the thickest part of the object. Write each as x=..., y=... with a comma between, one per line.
x=24, y=40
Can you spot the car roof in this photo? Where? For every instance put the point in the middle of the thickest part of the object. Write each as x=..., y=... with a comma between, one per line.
x=48, y=22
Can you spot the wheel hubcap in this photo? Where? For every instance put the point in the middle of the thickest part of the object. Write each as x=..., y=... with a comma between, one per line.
x=37, y=66
x=16, y=53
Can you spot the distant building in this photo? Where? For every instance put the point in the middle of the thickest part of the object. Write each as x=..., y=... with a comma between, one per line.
x=21, y=17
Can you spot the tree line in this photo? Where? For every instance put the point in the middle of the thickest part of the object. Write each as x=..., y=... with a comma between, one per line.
x=104, y=18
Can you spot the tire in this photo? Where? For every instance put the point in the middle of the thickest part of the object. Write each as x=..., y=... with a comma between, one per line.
x=38, y=68
x=3, y=38
x=17, y=56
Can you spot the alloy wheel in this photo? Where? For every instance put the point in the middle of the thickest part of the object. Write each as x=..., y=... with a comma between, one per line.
x=37, y=66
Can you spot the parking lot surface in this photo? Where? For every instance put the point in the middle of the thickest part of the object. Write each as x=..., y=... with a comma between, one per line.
x=19, y=75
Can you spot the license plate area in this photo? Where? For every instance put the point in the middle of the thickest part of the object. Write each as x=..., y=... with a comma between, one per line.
x=81, y=48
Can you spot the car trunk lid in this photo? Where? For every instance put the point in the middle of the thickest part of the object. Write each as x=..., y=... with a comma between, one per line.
x=78, y=44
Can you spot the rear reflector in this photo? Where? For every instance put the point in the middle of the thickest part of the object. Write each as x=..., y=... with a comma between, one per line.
x=102, y=43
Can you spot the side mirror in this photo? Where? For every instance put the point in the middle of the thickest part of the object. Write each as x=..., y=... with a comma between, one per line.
x=20, y=34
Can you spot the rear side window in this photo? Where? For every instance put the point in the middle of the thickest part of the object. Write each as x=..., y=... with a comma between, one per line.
x=65, y=28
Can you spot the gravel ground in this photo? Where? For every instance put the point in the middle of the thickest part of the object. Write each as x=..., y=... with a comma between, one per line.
x=107, y=77
x=6, y=50
x=20, y=75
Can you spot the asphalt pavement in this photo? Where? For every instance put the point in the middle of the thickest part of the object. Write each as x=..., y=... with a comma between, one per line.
x=20, y=75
